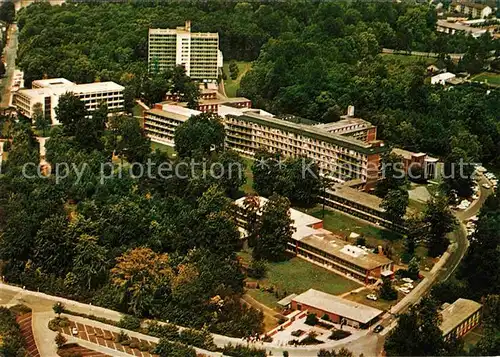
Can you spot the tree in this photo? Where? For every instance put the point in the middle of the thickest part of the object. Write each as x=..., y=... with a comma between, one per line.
x=130, y=140
x=229, y=172
x=233, y=70
x=417, y=332
x=2, y=69
x=90, y=262
x=58, y=308
x=393, y=174
x=60, y=340
x=8, y=11
x=395, y=204
x=70, y=112
x=416, y=231
x=275, y=229
x=200, y=135
x=413, y=268
x=440, y=221
x=268, y=173
x=304, y=181
x=387, y=291
x=41, y=122
x=183, y=86
x=140, y=273
x=250, y=209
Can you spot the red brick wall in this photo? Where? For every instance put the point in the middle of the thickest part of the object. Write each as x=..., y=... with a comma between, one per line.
x=371, y=134
x=319, y=313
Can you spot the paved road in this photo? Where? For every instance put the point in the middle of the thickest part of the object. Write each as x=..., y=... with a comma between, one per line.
x=10, y=54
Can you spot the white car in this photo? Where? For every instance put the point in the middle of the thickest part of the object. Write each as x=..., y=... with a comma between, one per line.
x=407, y=280
x=74, y=331
x=408, y=285
x=372, y=297
x=404, y=290
x=486, y=186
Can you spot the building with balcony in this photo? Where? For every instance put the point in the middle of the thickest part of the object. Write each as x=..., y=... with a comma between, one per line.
x=344, y=152
x=47, y=92
x=197, y=52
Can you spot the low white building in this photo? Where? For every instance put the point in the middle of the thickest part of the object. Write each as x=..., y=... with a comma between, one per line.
x=47, y=93
x=442, y=78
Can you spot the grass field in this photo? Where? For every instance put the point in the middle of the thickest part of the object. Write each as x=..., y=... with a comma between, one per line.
x=162, y=147
x=247, y=187
x=487, y=77
x=343, y=224
x=231, y=86
x=296, y=276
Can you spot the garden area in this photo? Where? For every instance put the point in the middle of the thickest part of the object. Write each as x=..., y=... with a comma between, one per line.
x=295, y=276
x=231, y=86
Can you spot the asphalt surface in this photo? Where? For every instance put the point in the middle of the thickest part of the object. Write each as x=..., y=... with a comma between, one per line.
x=10, y=54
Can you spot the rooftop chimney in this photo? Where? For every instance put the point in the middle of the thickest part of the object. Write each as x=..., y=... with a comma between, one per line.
x=187, y=25
x=350, y=111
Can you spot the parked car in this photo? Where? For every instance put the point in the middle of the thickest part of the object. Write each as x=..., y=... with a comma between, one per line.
x=378, y=328
x=404, y=290
x=74, y=331
x=372, y=297
x=407, y=280
x=486, y=186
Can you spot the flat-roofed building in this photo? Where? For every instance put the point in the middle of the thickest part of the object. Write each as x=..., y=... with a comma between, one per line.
x=48, y=91
x=339, y=155
x=459, y=318
x=339, y=310
x=197, y=52
x=311, y=242
x=412, y=160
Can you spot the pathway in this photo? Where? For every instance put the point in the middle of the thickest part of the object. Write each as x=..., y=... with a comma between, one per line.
x=10, y=54
x=24, y=322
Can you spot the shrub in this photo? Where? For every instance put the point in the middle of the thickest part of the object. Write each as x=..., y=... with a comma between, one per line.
x=58, y=323
x=326, y=317
x=60, y=340
x=129, y=322
x=339, y=334
x=243, y=351
x=311, y=319
x=267, y=338
x=199, y=338
x=12, y=340
x=257, y=269
x=168, y=331
x=126, y=343
x=144, y=346
x=122, y=336
x=20, y=309
x=167, y=348
x=134, y=344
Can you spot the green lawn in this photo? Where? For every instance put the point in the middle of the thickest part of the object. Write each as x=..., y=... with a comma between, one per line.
x=247, y=188
x=296, y=276
x=487, y=77
x=231, y=86
x=162, y=147
x=343, y=224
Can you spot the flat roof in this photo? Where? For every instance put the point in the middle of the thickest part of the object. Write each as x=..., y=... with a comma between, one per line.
x=406, y=154
x=344, y=123
x=302, y=222
x=456, y=313
x=53, y=82
x=181, y=30
x=287, y=300
x=338, y=306
x=97, y=86
x=360, y=197
x=314, y=132
x=168, y=114
x=458, y=26
x=344, y=250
